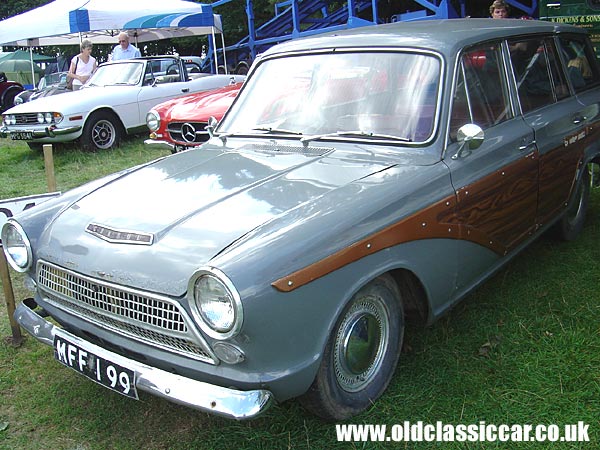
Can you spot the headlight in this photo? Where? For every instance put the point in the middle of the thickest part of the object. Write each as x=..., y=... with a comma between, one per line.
x=47, y=117
x=16, y=246
x=216, y=304
x=10, y=119
x=153, y=120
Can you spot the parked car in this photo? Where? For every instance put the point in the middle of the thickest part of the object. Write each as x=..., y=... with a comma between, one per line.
x=8, y=91
x=112, y=103
x=360, y=180
x=180, y=124
x=51, y=84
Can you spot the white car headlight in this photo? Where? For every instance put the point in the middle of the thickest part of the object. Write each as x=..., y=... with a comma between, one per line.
x=215, y=304
x=16, y=246
x=153, y=120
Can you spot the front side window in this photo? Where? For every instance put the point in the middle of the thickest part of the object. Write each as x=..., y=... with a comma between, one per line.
x=370, y=95
x=481, y=95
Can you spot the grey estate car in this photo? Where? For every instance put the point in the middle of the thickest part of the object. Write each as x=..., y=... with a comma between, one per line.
x=361, y=179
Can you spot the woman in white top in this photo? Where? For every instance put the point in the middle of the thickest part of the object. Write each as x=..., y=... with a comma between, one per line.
x=82, y=66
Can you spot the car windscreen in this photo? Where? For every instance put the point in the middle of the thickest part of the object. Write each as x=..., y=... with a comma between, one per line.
x=126, y=74
x=368, y=95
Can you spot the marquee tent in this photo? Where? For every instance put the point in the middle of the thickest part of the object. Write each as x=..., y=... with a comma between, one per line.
x=68, y=22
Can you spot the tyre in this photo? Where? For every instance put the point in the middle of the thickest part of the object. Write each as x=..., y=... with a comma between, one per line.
x=8, y=98
x=102, y=131
x=242, y=68
x=571, y=224
x=361, y=354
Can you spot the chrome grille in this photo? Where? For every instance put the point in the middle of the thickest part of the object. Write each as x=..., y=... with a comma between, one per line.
x=175, y=132
x=26, y=119
x=151, y=319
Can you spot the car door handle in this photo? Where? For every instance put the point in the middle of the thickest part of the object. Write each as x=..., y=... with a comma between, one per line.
x=525, y=146
x=185, y=90
x=578, y=119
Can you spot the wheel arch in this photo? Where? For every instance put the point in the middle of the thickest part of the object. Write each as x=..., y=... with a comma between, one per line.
x=109, y=110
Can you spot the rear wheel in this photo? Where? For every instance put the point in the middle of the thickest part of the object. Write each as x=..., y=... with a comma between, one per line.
x=102, y=131
x=571, y=224
x=361, y=353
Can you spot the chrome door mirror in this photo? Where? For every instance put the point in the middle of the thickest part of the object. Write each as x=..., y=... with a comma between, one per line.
x=469, y=137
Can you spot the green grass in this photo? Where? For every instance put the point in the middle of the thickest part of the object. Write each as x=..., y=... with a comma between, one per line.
x=524, y=348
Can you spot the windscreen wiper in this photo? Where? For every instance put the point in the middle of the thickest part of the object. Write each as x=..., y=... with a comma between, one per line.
x=277, y=130
x=357, y=133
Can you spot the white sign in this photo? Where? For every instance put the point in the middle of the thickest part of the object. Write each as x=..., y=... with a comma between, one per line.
x=12, y=206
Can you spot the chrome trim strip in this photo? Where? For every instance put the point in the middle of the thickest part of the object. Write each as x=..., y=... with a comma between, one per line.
x=227, y=402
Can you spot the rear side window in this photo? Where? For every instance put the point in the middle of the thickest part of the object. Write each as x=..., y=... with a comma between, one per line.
x=481, y=94
x=537, y=72
x=580, y=61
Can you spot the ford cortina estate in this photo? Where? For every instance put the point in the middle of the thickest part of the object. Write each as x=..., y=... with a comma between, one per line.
x=360, y=180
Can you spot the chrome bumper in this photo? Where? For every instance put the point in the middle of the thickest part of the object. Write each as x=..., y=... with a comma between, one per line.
x=206, y=397
x=46, y=132
x=160, y=144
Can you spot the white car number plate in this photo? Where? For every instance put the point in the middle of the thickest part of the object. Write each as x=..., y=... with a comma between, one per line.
x=109, y=374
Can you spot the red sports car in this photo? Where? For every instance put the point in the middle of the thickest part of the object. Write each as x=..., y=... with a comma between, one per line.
x=181, y=123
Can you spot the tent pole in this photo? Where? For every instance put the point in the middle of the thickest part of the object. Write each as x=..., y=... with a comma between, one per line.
x=32, y=71
x=214, y=45
x=224, y=55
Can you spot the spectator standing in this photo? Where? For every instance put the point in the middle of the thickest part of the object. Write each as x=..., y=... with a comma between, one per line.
x=82, y=65
x=499, y=10
x=124, y=50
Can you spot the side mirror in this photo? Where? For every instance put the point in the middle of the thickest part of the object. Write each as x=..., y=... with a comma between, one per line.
x=470, y=137
x=212, y=124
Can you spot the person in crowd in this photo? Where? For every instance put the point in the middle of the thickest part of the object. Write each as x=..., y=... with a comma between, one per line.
x=499, y=10
x=82, y=66
x=124, y=50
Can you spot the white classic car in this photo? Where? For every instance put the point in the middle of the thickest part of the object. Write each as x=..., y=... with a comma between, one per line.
x=112, y=103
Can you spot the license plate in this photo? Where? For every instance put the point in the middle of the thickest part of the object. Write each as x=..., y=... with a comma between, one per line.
x=21, y=135
x=107, y=373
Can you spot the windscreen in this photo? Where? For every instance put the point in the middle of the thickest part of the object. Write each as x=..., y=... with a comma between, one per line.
x=383, y=95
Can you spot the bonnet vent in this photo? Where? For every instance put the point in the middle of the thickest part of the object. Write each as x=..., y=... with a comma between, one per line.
x=287, y=149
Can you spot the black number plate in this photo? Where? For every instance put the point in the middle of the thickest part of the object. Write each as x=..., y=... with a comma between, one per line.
x=21, y=135
x=109, y=374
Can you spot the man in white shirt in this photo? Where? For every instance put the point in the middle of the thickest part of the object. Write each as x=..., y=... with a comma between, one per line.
x=124, y=50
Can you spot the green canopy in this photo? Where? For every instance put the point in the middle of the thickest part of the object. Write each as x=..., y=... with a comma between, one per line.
x=18, y=67
x=25, y=56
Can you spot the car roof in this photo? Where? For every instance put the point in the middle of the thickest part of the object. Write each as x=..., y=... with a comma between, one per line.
x=445, y=36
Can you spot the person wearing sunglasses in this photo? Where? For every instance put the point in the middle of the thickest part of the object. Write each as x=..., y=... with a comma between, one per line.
x=124, y=50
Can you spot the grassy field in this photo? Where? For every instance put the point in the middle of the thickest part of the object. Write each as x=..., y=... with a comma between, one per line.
x=523, y=349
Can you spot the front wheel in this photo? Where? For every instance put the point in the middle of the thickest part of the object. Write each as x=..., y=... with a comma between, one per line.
x=571, y=224
x=361, y=353
x=102, y=131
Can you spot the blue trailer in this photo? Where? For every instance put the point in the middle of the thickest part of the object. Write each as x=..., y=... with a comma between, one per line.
x=298, y=18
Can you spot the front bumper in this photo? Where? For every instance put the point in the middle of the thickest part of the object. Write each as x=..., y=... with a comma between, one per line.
x=155, y=143
x=47, y=132
x=159, y=144
x=205, y=397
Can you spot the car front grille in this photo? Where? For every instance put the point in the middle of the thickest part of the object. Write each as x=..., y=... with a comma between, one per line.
x=145, y=317
x=26, y=119
x=188, y=133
